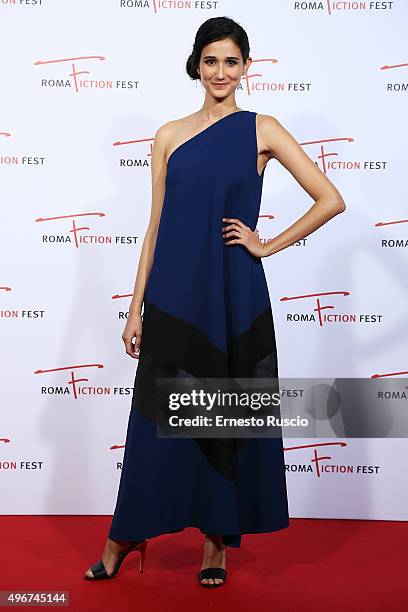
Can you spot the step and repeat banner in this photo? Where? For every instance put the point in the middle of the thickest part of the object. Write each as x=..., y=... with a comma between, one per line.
x=84, y=87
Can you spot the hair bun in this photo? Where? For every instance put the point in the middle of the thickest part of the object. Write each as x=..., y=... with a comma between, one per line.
x=190, y=68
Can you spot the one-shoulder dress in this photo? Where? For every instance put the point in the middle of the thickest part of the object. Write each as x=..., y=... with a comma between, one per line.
x=206, y=313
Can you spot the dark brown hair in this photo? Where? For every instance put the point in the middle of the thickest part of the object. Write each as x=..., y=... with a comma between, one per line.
x=216, y=28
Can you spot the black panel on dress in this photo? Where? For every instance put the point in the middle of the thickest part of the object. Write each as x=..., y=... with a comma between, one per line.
x=173, y=348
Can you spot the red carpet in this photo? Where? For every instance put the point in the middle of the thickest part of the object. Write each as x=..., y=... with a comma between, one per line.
x=315, y=564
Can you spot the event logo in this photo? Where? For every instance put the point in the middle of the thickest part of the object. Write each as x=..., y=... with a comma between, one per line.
x=138, y=162
x=76, y=388
x=392, y=394
x=154, y=5
x=340, y=7
x=319, y=313
x=19, y=160
x=257, y=82
x=396, y=86
x=22, y=3
x=161, y=5
x=328, y=163
x=18, y=465
x=393, y=242
x=74, y=237
x=319, y=466
x=18, y=313
x=21, y=465
x=76, y=80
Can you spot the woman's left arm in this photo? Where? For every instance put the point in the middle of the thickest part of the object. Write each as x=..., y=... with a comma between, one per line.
x=276, y=142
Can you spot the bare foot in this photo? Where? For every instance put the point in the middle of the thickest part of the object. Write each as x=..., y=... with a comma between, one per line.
x=110, y=555
x=214, y=556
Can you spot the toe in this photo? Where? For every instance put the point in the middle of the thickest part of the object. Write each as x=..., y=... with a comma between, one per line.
x=89, y=573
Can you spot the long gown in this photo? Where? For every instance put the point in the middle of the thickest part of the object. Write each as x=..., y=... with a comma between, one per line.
x=206, y=313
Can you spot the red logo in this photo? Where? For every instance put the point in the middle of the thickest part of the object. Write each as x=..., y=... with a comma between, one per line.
x=80, y=79
x=318, y=463
x=76, y=238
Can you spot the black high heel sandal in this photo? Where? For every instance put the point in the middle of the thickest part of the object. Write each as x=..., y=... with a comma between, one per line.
x=99, y=571
x=212, y=572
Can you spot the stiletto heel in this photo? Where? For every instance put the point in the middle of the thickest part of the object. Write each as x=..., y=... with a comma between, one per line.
x=99, y=571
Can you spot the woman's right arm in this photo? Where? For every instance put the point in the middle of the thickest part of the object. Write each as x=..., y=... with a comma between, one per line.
x=133, y=328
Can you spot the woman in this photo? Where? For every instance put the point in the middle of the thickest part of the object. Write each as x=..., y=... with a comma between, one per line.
x=207, y=313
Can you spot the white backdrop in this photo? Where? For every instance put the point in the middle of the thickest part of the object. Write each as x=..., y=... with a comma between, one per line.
x=84, y=87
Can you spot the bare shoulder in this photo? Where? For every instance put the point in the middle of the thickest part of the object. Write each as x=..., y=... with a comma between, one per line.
x=268, y=122
x=164, y=132
x=169, y=133
x=266, y=119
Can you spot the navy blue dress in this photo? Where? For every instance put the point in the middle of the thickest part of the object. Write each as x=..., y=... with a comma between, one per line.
x=206, y=313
